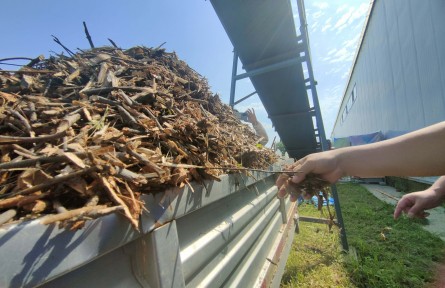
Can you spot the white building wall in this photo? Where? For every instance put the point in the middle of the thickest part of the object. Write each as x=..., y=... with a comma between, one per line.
x=399, y=71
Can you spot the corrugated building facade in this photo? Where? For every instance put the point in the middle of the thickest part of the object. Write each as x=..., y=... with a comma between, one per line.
x=397, y=82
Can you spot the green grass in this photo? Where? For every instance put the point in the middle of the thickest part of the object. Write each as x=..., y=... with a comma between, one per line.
x=384, y=252
x=405, y=185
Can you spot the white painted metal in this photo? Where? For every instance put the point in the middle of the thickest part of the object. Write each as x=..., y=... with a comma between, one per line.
x=399, y=70
x=218, y=236
x=228, y=219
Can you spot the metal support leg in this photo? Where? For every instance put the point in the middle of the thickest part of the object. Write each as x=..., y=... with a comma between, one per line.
x=283, y=210
x=344, y=240
x=233, y=83
x=318, y=117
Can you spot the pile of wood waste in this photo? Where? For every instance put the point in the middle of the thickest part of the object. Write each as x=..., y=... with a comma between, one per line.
x=86, y=135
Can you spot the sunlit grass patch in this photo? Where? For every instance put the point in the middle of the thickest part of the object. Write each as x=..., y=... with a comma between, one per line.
x=384, y=252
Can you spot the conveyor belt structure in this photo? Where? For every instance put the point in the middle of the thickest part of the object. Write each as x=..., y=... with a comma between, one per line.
x=277, y=60
x=264, y=36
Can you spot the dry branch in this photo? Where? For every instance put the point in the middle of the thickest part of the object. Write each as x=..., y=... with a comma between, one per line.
x=88, y=211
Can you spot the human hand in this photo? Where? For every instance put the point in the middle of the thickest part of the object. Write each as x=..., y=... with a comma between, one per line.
x=325, y=165
x=251, y=117
x=414, y=204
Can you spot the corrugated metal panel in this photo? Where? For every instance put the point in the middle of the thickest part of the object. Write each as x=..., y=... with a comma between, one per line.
x=399, y=70
x=205, y=236
x=437, y=9
x=428, y=67
x=410, y=68
x=396, y=62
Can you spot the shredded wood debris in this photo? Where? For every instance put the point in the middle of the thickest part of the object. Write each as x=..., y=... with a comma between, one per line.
x=312, y=185
x=111, y=124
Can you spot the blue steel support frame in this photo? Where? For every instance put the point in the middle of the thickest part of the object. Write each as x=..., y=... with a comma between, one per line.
x=318, y=117
x=270, y=68
x=258, y=71
x=312, y=86
x=233, y=82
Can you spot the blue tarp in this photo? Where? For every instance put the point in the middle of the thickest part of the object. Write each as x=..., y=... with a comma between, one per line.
x=366, y=138
x=392, y=133
x=358, y=139
x=315, y=200
x=341, y=142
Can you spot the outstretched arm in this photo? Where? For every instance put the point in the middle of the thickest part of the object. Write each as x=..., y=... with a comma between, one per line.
x=419, y=153
x=259, y=129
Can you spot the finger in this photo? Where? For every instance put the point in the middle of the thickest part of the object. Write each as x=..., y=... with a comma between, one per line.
x=301, y=171
x=298, y=178
x=282, y=192
x=293, y=197
x=403, y=205
x=397, y=212
x=297, y=164
x=281, y=180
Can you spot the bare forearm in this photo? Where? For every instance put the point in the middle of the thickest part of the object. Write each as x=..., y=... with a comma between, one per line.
x=439, y=185
x=420, y=153
x=261, y=132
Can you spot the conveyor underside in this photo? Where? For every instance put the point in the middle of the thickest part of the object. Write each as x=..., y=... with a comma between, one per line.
x=263, y=34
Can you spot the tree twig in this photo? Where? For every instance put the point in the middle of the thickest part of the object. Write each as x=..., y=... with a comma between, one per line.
x=88, y=35
x=116, y=199
x=15, y=58
x=88, y=211
x=56, y=180
x=63, y=46
x=41, y=160
x=61, y=130
x=112, y=43
x=35, y=61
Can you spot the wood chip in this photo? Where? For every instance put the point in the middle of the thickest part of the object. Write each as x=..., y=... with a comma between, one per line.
x=111, y=124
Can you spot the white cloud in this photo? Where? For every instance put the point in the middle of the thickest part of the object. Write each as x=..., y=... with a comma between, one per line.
x=332, y=51
x=321, y=5
x=318, y=14
x=342, y=55
x=330, y=100
x=359, y=13
x=327, y=59
x=341, y=8
x=333, y=48
x=314, y=26
x=351, y=43
x=327, y=25
x=336, y=70
x=257, y=106
x=350, y=16
x=344, y=19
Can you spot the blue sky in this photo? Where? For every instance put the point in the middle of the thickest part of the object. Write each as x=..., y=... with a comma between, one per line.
x=191, y=29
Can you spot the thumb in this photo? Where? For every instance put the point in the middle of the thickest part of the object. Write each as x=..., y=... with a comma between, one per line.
x=303, y=168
